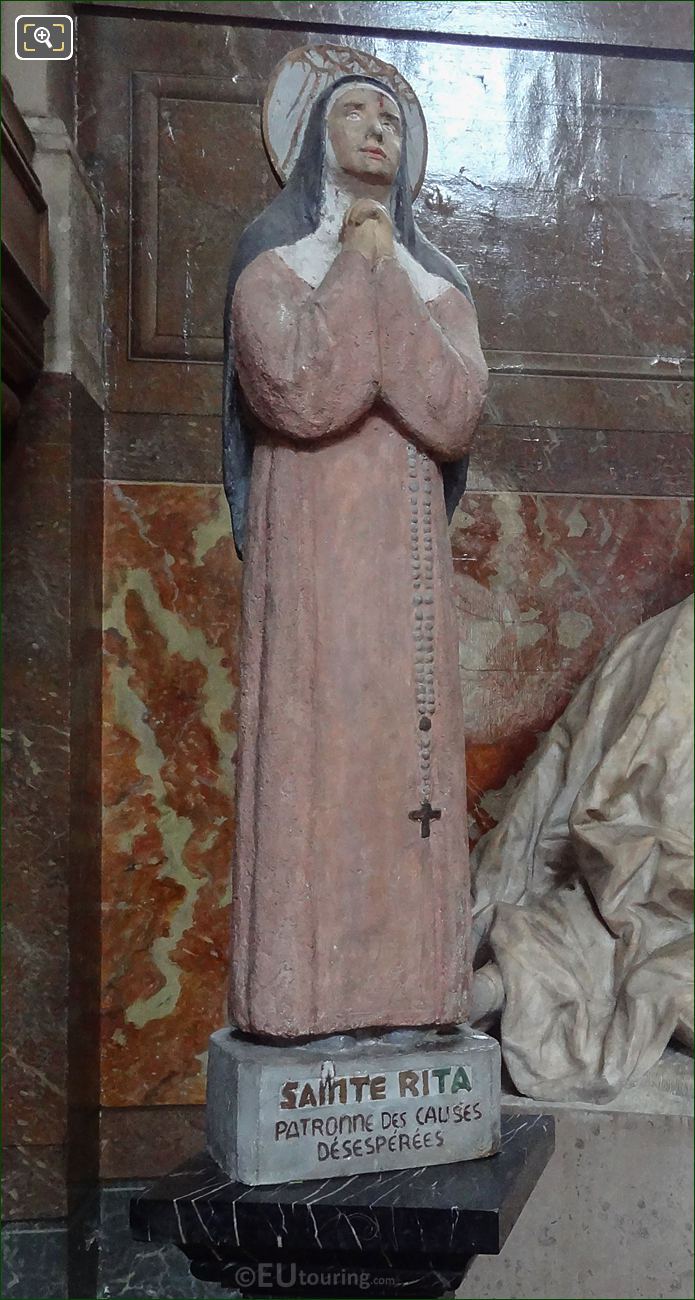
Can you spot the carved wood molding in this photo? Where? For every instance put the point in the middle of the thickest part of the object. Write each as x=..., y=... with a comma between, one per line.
x=25, y=256
x=148, y=341
x=662, y=26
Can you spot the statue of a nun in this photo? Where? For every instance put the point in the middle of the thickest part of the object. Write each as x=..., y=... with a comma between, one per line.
x=353, y=383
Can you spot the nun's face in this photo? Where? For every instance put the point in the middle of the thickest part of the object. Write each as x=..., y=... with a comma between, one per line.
x=364, y=127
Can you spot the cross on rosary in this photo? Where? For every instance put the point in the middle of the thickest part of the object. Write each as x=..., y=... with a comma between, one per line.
x=424, y=815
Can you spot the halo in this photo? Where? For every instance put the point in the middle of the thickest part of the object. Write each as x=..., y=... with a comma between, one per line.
x=302, y=74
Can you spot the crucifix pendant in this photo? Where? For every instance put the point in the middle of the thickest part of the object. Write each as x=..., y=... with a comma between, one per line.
x=424, y=815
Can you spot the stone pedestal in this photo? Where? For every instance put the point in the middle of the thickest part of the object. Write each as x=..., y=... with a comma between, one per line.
x=351, y=1104
x=390, y=1234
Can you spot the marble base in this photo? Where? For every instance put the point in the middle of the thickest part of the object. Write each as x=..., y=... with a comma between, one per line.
x=351, y=1104
x=388, y=1234
x=35, y=1260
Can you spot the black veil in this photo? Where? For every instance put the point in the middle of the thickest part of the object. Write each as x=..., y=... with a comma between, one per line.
x=296, y=212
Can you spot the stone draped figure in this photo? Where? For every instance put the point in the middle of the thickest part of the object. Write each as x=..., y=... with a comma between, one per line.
x=353, y=383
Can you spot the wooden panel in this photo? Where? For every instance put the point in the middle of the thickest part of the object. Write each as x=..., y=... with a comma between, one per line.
x=153, y=448
x=657, y=25
x=25, y=252
x=636, y=437
x=175, y=206
x=560, y=183
x=23, y=216
x=612, y=463
x=560, y=402
x=192, y=195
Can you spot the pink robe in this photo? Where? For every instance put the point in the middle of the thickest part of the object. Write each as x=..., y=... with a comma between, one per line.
x=344, y=916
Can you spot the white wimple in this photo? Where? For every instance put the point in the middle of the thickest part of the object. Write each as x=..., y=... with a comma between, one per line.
x=312, y=256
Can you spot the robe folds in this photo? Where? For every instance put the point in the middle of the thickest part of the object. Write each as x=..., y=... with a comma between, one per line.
x=344, y=915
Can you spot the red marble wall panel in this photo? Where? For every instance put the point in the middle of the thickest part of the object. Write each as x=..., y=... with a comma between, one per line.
x=170, y=682
x=543, y=584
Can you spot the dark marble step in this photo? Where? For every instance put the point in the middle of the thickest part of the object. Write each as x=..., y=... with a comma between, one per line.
x=412, y=1232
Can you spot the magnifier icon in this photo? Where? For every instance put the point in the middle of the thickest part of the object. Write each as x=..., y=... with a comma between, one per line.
x=43, y=36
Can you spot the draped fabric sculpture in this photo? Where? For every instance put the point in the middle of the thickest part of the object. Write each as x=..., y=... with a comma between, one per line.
x=584, y=891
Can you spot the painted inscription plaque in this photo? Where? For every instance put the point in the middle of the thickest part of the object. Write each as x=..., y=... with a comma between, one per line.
x=309, y=1112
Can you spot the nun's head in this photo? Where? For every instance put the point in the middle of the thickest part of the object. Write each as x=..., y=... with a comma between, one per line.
x=365, y=133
